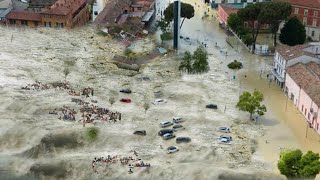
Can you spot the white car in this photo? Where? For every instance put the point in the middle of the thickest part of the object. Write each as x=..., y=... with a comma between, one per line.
x=159, y=101
x=224, y=129
x=172, y=149
x=177, y=119
x=224, y=141
x=165, y=124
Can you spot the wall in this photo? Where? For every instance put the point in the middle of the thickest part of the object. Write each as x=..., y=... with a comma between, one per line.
x=293, y=88
x=55, y=19
x=82, y=17
x=223, y=16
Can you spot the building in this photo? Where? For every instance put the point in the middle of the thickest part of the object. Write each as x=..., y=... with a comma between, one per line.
x=303, y=88
x=308, y=11
x=224, y=10
x=286, y=56
x=66, y=13
x=5, y=8
x=119, y=12
x=23, y=18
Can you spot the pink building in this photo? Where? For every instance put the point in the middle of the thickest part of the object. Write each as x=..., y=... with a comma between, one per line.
x=302, y=86
x=223, y=13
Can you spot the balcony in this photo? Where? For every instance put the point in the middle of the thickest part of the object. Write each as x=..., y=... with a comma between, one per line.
x=278, y=76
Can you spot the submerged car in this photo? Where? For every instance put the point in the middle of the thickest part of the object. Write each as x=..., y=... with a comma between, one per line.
x=212, y=106
x=224, y=141
x=229, y=138
x=165, y=124
x=165, y=131
x=159, y=101
x=140, y=132
x=168, y=136
x=177, y=127
x=183, y=140
x=172, y=149
x=128, y=91
x=224, y=129
x=125, y=100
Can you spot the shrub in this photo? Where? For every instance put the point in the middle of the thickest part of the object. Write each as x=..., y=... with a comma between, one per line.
x=235, y=65
x=166, y=36
x=92, y=133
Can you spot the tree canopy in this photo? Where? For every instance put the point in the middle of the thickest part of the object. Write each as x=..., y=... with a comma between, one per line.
x=234, y=21
x=196, y=63
x=251, y=103
x=187, y=11
x=293, y=32
x=294, y=164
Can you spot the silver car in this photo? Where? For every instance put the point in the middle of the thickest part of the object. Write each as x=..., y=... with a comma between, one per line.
x=165, y=124
x=177, y=120
x=172, y=149
x=168, y=136
x=224, y=129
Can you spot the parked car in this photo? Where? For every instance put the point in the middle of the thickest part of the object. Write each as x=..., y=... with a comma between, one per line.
x=168, y=136
x=224, y=129
x=183, y=140
x=172, y=149
x=177, y=120
x=165, y=131
x=140, y=132
x=177, y=127
x=125, y=100
x=229, y=138
x=165, y=124
x=212, y=106
x=128, y=91
x=159, y=101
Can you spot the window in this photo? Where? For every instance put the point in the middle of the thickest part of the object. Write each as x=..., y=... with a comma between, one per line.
x=309, y=116
x=12, y=21
x=139, y=8
x=314, y=22
x=24, y=23
x=59, y=25
x=315, y=13
x=296, y=10
x=47, y=24
x=305, y=12
x=95, y=13
x=305, y=111
x=305, y=20
x=292, y=97
x=312, y=33
x=302, y=108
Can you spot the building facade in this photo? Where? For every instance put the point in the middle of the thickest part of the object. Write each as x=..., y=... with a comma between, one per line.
x=302, y=86
x=286, y=56
x=308, y=12
x=23, y=18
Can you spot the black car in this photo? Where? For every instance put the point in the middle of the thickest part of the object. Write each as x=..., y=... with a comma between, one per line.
x=212, y=106
x=128, y=91
x=140, y=132
x=183, y=140
x=165, y=131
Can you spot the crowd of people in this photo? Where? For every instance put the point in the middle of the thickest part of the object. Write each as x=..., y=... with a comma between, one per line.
x=131, y=161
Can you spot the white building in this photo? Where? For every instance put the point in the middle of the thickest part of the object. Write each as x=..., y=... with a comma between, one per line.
x=286, y=56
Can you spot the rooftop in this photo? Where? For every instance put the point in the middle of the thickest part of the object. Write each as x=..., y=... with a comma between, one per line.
x=4, y=4
x=24, y=15
x=291, y=52
x=307, y=76
x=64, y=7
x=231, y=8
x=305, y=3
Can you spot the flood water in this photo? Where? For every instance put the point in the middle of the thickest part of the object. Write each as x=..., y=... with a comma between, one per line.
x=285, y=127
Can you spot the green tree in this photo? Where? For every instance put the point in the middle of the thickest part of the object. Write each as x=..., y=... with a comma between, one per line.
x=163, y=24
x=251, y=14
x=273, y=13
x=187, y=11
x=200, y=63
x=293, y=32
x=186, y=64
x=235, y=22
x=295, y=165
x=92, y=133
x=251, y=103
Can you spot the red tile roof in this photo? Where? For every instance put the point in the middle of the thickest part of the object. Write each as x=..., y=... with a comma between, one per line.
x=64, y=7
x=229, y=10
x=24, y=15
x=307, y=76
x=305, y=3
x=291, y=52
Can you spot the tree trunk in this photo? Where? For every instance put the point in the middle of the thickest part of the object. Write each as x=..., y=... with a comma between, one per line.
x=275, y=39
x=250, y=116
x=182, y=22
